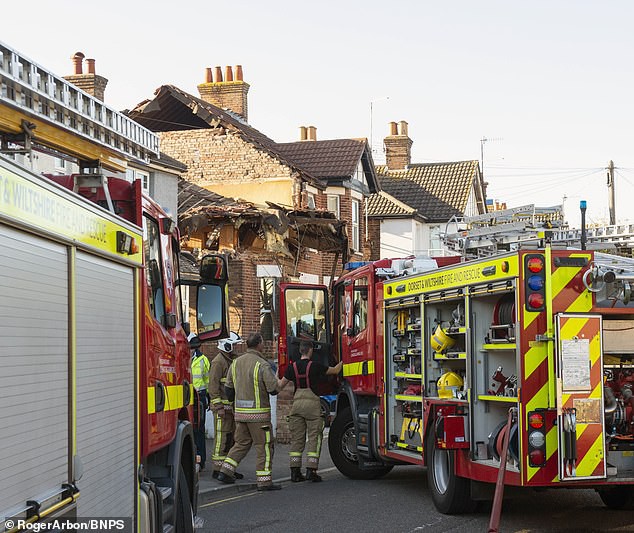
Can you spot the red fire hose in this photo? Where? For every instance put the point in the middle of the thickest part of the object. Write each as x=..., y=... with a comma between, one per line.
x=496, y=510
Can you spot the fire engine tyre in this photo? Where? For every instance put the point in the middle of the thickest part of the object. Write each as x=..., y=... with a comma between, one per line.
x=342, y=445
x=451, y=494
x=618, y=497
x=184, y=513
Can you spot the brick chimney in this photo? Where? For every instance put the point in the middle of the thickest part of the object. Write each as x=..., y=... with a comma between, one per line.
x=230, y=93
x=398, y=147
x=90, y=82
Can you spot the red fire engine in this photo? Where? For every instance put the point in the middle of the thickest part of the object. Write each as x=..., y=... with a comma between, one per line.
x=436, y=359
x=96, y=384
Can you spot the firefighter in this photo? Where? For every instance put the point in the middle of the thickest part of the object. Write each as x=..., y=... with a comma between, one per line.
x=305, y=421
x=200, y=376
x=250, y=380
x=220, y=404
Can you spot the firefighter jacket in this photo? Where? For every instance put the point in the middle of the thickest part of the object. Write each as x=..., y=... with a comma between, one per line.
x=217, y=379
x=253, y=379
x=200, y=371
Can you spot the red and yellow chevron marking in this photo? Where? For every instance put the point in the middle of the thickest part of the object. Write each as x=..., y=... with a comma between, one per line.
x=590, y=434
x=565, y=293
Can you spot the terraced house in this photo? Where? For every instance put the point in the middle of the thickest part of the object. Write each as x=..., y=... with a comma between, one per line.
x=418, y=202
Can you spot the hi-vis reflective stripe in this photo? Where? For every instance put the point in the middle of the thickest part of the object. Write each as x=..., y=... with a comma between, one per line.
x=42, y=205
x=173, y=398
x=356, y=369
x=256, y=387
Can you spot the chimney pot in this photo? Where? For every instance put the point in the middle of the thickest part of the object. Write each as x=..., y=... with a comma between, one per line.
x=402, y=128
x=302, y=133
x=228, y=74
x=393, y=128
x=239, y=72
x=312, y=133
x=77, y=59
x=209, y=76
x=218, y=74
x=90, y=66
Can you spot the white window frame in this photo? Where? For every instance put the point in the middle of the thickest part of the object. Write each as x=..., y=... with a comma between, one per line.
x=337, y=206
x=145, y=180
x=355, y=218
x=310, y=200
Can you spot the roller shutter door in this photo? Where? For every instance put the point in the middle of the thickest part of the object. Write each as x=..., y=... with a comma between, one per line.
x=34, y=377
x=105, y=387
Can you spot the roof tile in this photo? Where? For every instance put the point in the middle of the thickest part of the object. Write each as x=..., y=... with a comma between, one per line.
x=437, y=191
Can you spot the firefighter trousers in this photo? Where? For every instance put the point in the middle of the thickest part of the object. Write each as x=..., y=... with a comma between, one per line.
x=260, y=435
x=306, y=426
x=223, y=437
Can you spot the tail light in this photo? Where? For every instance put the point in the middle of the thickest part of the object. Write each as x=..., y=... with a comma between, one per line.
x=535, y=282
x=537, y=438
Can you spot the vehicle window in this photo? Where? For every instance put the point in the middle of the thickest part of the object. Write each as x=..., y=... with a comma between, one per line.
x=178, y=303
x=306, y=314
x=154, y=268
x=360, y=305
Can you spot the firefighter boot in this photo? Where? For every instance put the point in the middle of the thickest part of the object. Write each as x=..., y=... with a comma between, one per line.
x=311, y=475
x=296, y=474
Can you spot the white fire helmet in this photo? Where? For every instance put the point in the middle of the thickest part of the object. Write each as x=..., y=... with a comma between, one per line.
x=226, y=345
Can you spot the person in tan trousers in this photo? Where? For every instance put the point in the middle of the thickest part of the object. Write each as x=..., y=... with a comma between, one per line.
x=305, y=421
x=250, y=380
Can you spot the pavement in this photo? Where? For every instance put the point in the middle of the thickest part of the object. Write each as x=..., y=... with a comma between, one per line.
x=210, y=487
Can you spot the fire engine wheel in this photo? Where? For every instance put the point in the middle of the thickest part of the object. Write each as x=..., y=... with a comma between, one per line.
x=184, y=513
x=451, y=494
x=618, y=497
x=342, y=445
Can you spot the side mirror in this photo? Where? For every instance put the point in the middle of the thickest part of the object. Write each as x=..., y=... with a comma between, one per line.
x=155, y=274
x=213, y=269
x=211, y=309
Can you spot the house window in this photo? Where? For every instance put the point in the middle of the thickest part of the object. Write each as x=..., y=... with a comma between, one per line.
x=60, y=165
x=355, y=225
x=145, y=181
x=311, y=200
x=333, y=204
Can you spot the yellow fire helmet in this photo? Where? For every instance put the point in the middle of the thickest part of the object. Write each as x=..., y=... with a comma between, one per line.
x=449, y=384
x=440, y=341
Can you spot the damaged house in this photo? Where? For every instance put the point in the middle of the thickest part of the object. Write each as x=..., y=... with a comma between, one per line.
x=281, y=215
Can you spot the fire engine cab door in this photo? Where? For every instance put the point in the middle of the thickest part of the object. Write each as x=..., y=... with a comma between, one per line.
x=358, y=317
x=579, y=388
x=304, y=316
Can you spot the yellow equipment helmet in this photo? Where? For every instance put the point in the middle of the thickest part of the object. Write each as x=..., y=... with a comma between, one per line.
x=449, y=384
x=440, y=341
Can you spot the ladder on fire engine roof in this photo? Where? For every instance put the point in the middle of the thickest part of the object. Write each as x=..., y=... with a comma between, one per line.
x=37, y=104
x=509, y=229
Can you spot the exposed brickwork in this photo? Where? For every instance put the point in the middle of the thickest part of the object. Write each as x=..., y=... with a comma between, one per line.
x=398, y=151
x=374, y=239
x=230, y=95
x=218, y=156
x=93, y=84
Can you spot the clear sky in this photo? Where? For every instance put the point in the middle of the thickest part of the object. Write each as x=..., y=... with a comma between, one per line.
x=549, y=83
